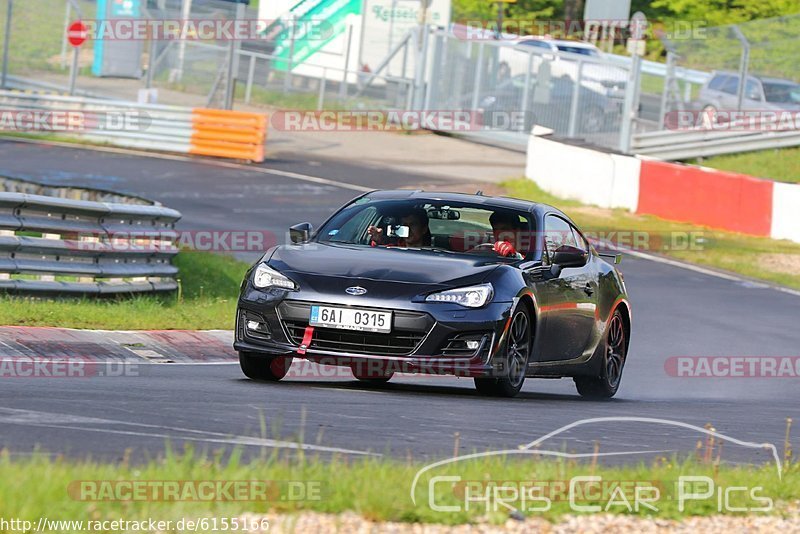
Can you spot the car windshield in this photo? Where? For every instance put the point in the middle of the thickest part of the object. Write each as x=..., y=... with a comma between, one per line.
x=582, y=50
x=452, y=227
x=782, y=93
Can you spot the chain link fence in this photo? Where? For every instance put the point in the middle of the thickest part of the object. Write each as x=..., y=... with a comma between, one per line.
x=762, y=52
x=507, y=86
x=510, y=86
x=268, y=69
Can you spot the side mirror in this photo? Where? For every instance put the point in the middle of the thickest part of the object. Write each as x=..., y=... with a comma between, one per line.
x=569, y=256
x=300, y=233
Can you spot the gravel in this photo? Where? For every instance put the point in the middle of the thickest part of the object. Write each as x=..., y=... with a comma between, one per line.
x=786, y=523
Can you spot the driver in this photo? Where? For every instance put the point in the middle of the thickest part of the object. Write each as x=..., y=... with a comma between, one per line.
x=506, y=228
x=419, y=234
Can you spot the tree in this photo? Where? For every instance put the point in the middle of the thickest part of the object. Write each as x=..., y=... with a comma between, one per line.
x=486, y=10
x=721, y=12
x=573, y=9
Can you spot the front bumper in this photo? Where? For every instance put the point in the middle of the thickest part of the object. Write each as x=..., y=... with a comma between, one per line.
x=425, y=337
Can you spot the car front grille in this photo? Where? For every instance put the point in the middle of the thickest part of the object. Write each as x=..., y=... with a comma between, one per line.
x=408, y=331
x=331, y=339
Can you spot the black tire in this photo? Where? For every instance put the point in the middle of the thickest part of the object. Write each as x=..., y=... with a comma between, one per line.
x=593, y=120
x=266, y=368
x=615, y=352
x=375, y=379
x=375, y=376
x=516, y=357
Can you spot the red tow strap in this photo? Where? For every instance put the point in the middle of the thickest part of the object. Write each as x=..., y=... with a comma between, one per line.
x=306, y=340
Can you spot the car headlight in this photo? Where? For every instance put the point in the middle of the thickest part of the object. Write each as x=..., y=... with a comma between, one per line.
x=266, y=277
x=471, y=297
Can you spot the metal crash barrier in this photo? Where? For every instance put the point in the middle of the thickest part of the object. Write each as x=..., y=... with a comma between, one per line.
x=198, y=131
x=51, y=245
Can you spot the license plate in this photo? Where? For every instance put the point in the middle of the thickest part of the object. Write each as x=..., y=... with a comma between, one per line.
x=351, y=319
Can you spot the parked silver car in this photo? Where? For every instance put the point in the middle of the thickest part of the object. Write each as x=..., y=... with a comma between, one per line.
x=720, y=94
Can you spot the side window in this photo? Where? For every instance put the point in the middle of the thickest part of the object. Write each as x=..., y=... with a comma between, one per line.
x=355, y=228
x=717, y=83
x=731, y=85
x=753, y=90
x=537, y=44
x=580, y=241
x=557, y=232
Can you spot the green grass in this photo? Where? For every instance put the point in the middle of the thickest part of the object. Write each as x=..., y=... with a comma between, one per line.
x=37, y=34
x=209, y=289
x=781, y=165
x=376, y=488
x=729, y=251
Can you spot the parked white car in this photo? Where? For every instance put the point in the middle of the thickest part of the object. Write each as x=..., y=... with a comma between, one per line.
x=562, y=58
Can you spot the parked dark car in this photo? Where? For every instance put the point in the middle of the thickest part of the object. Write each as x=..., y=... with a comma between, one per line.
x=598, y=108
x=407, y=281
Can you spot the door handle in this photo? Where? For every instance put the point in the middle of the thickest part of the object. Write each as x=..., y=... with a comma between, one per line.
x=588, y=289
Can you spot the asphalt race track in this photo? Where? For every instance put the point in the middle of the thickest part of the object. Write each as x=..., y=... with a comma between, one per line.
x=677, y=312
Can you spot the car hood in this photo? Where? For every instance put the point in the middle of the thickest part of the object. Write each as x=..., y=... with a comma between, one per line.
x=318, y=263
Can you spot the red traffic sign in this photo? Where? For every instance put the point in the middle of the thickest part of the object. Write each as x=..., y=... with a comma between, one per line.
x=77, y=33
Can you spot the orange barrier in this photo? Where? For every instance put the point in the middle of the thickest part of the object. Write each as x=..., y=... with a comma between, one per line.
x=228, y=134
x=717, y=199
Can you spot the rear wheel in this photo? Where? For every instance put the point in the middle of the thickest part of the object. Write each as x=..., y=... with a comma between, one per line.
x=515, y=364
x=616, y=350
x=269, y=368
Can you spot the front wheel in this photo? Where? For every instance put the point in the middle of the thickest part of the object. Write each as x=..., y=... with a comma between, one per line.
x=515, y=363
x=606, y=385
x=269, y=368
x=367, y=373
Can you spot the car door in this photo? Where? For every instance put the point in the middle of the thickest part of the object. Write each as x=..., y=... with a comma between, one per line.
x=753, y=95
x=729, y=94
x=568, y=296
x=711, y=93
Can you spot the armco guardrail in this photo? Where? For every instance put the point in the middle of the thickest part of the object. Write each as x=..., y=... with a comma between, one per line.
x=697, y=77
x=686, y=144
x=198, y=131
x=51, y=245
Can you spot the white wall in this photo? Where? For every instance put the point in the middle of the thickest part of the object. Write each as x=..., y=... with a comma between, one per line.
x=786, y=212
x=589, y=176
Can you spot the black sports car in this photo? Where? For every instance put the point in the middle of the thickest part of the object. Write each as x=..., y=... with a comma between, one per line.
x=408, y=281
